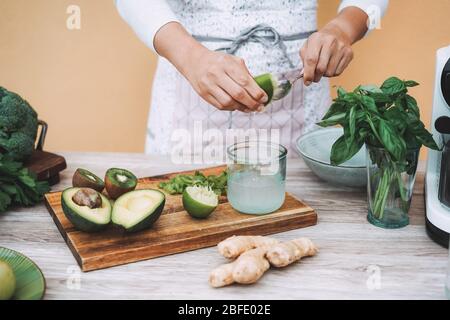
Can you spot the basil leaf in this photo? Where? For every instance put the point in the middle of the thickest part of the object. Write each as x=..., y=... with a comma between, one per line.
x=393, y=86
x=352, y=123
x=335, y=109
x=332, y=121
x=369, y=103
x=391, y=141
x=396, y=118
x=411, y=83
x=423, y=136
x=412, y=106
x=342, y=152
x=380, y=98
x=341, y=92
x=370, y=88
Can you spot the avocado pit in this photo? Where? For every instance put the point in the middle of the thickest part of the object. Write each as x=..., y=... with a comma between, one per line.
x=86, y=197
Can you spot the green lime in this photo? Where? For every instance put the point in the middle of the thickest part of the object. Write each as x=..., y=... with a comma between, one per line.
x=7, y=281
x=267, y=83
x=199, y=202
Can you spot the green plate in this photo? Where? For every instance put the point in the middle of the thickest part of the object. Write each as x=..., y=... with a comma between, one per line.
x=30, y=282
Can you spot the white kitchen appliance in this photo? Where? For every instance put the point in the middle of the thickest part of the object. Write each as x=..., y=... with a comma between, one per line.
x=437, y=181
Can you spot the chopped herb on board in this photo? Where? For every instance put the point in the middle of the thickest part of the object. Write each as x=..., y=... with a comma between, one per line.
x=179, y=183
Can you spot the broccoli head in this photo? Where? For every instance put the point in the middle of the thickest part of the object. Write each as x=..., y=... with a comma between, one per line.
x=18, y=125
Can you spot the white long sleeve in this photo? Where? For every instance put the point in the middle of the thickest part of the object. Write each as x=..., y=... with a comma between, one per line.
x=375, y=9
x=146, y=17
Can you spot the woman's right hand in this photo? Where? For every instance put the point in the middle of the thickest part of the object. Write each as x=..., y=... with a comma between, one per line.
x=224, y=81
x=221, y=79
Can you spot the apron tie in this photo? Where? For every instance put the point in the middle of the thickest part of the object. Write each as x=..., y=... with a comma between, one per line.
x=261, y=33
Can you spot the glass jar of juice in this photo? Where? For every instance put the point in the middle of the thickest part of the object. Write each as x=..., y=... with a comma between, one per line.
x=256, y=176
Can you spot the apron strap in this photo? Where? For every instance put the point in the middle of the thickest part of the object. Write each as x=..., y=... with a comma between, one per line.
x=261, y=33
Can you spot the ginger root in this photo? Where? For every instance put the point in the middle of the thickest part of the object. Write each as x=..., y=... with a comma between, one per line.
x=285, y=253
x=234, y=246
x=247, y=269
x=254, y=257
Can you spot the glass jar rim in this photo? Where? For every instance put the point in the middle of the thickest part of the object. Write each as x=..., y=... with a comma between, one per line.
x=232, y=150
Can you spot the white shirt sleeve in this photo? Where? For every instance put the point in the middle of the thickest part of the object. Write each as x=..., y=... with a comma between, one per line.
x=146, y=17
x=375, y=9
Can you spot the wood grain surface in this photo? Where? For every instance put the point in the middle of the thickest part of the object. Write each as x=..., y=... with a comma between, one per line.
x=175, y=231
x=356, y=260
x=46, y=165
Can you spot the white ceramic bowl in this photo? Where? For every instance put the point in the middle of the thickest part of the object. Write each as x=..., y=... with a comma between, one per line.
x=315, y=149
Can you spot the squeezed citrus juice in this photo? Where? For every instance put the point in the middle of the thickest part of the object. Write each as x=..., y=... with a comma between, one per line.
x=256, y=177
x=252, y=193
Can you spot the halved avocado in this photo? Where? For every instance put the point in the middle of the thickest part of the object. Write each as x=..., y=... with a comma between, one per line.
x=119, y=181
x=83, y=217
x=138, y=210
x=83, y=178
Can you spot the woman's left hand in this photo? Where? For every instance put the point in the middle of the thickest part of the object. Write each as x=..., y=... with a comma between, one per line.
x=326, y=53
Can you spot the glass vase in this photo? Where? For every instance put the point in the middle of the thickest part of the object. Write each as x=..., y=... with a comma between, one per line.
x=390, y=187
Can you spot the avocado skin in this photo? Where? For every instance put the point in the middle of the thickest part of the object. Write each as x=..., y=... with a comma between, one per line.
x=147, y=222
x=78, y=221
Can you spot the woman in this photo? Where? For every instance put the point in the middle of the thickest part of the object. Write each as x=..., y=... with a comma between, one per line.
x=212, y=49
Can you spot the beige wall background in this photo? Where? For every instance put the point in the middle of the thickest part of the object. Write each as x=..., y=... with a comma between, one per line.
x=93, y=85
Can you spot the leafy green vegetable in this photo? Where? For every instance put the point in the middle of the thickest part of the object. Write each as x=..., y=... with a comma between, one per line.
x=18, y=186
x=18, y=126
x=180, y=182
x=386, y=117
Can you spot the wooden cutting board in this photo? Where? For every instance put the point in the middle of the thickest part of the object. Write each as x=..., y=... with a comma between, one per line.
x=46, y=166
x=175, y=231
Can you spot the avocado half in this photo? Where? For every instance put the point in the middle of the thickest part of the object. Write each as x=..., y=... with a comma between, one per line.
x=138, y=210
x=83, y=178
x=83, y=217
x=119, y=181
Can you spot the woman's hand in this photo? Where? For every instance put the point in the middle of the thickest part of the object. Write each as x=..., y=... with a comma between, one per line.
x=221, y=79
x=328, y=52
x=224, y=81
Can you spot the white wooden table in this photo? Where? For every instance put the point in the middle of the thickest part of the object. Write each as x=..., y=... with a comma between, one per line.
x=356, y=260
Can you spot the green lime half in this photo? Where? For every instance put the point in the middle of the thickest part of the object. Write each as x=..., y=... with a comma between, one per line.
x=200, y=202
x=267, y=82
